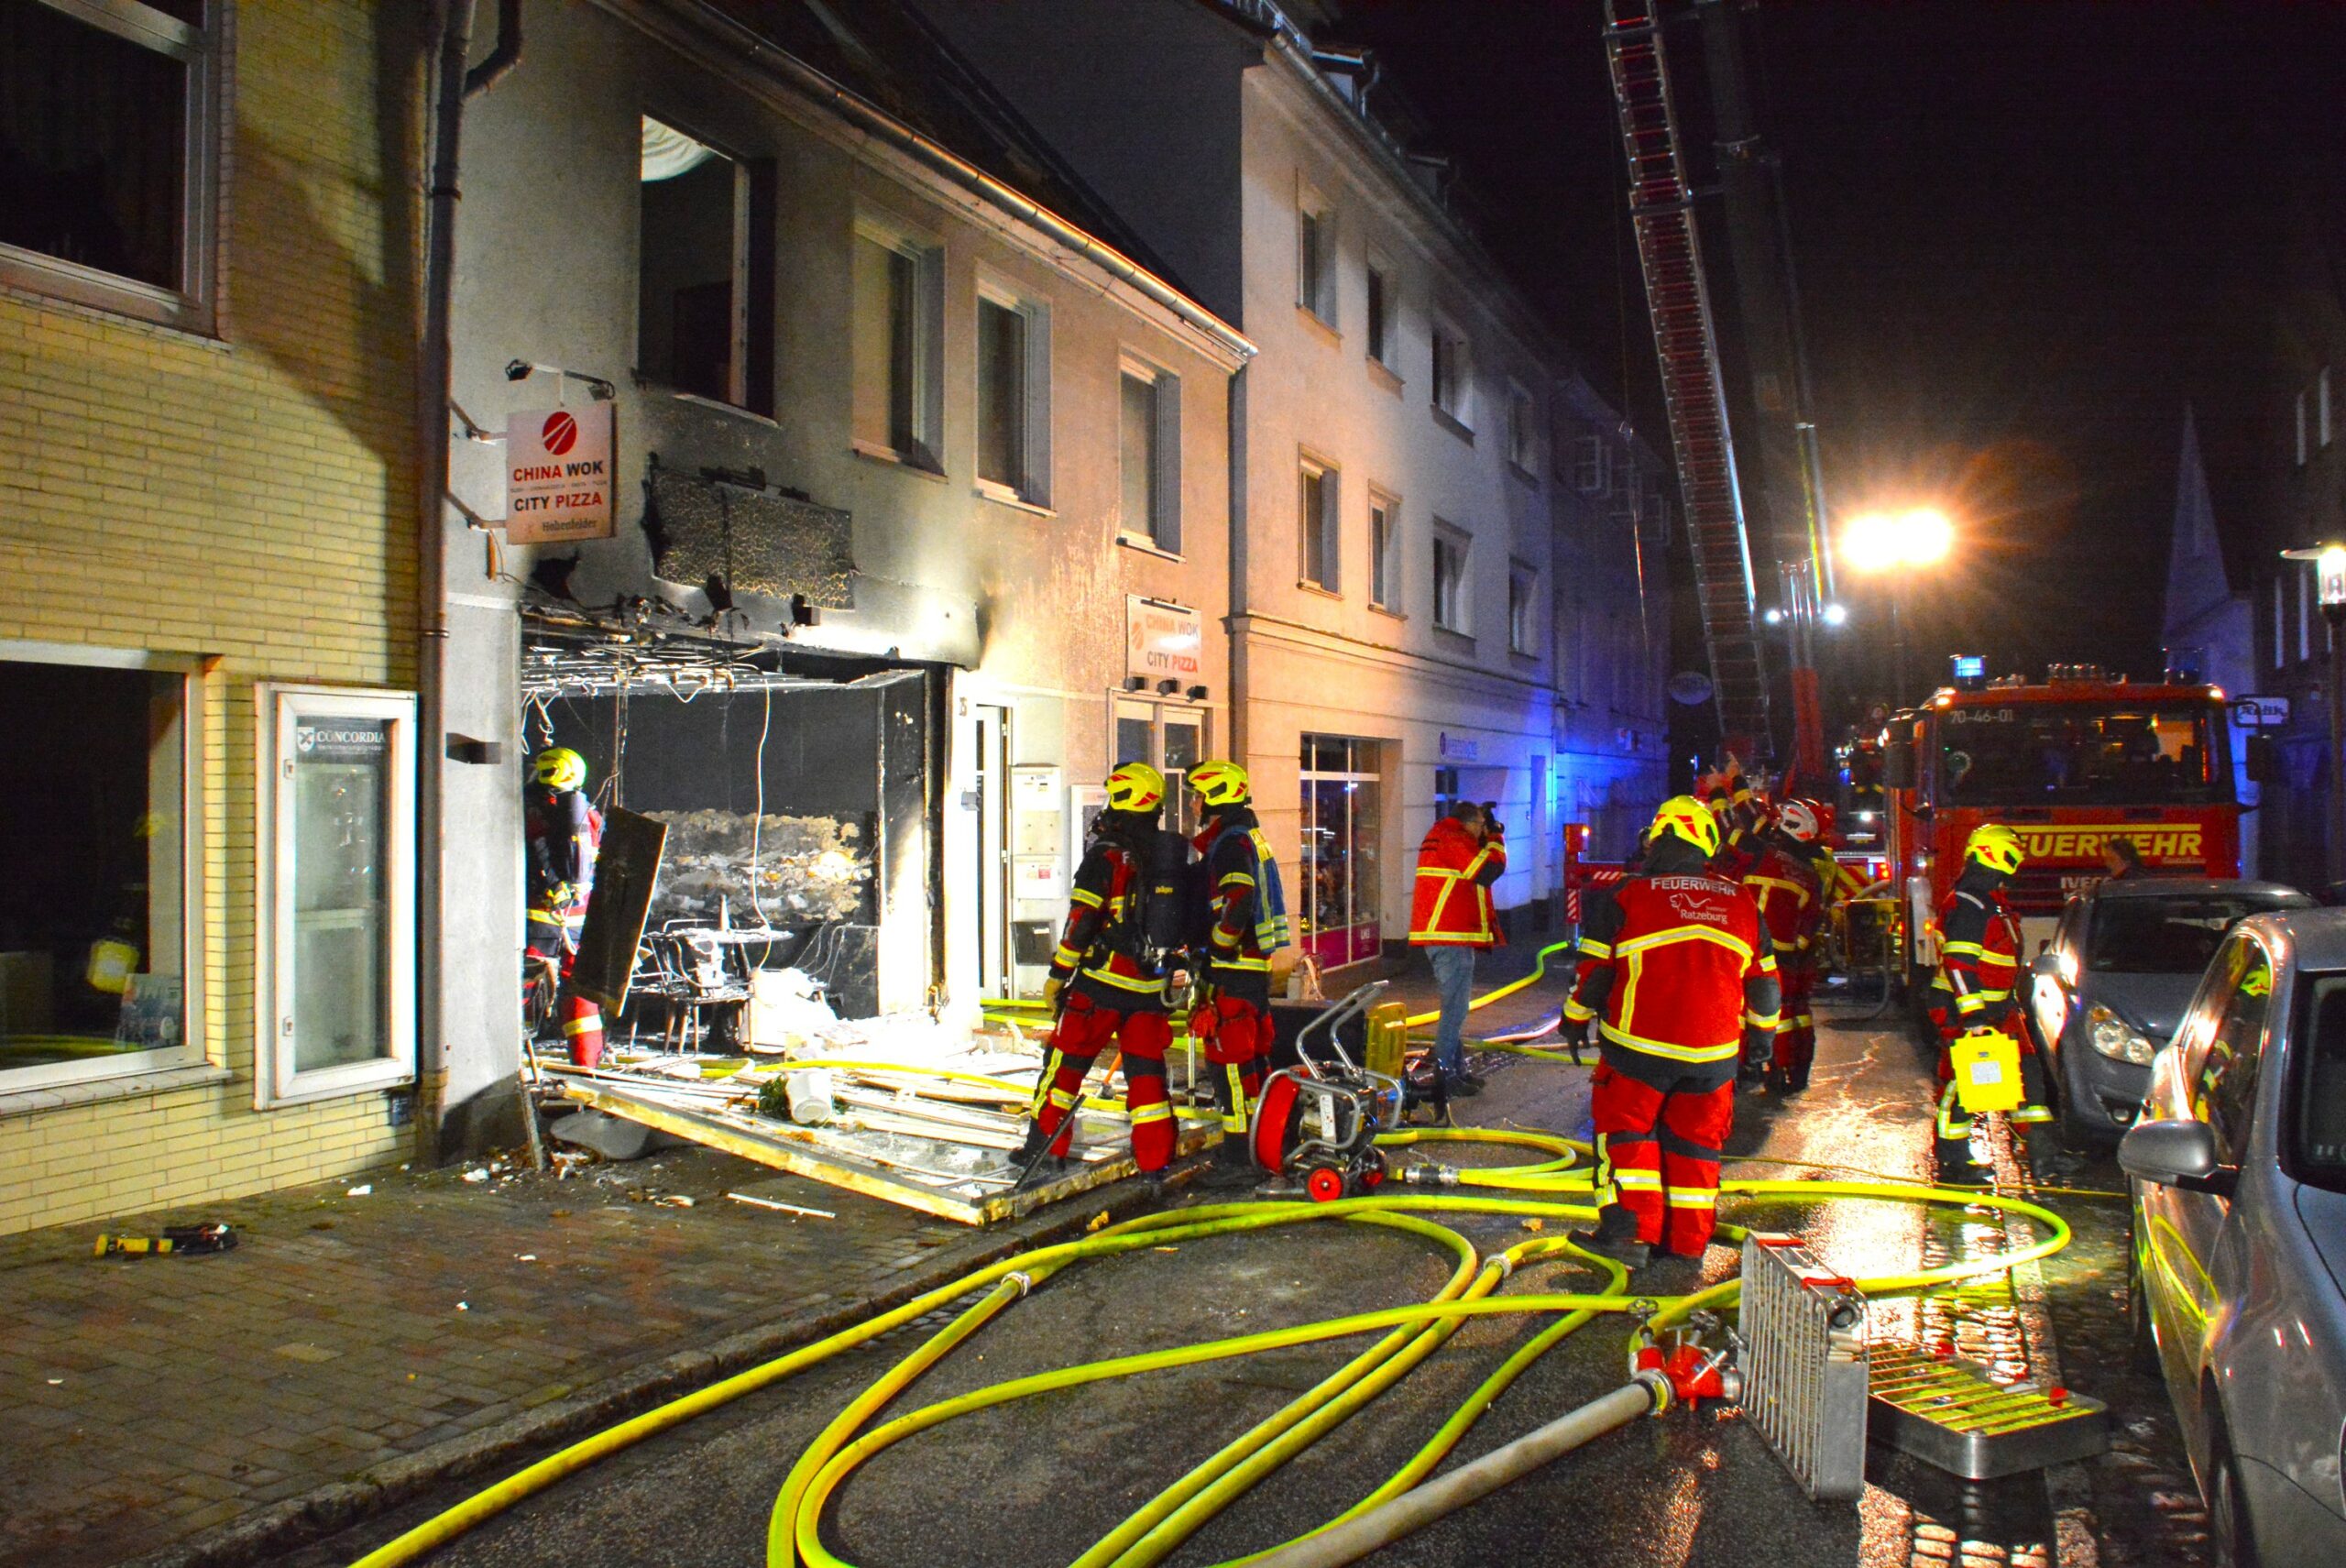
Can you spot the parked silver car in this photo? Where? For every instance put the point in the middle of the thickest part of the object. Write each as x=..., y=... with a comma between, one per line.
x=2106, y=991
x=2238, y=1259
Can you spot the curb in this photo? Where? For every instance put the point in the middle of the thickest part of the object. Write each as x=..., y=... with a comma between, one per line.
x=2069, y=1494
x=293, y=1522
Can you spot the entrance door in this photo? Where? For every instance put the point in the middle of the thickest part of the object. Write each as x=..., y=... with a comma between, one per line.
x=990, y=782
x=1170, y=736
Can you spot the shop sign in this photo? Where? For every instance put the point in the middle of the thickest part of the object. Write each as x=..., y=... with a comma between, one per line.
x=2260, y=712
x=341, y=741
x=1163, y=641
x=558, y=479
x=1458, y=748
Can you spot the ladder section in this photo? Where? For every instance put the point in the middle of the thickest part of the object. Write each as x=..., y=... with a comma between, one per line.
x=1661, y=210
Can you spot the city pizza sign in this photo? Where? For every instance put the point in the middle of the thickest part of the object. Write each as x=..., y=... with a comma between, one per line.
x=558, y=479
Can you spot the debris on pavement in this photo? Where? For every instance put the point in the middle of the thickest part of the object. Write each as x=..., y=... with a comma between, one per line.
x=785, y=1208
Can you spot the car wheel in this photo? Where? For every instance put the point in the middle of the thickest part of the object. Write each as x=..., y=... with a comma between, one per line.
x=2234, y=1542
x=2142, y=1337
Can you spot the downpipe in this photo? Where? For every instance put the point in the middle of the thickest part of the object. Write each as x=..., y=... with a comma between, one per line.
x=1647, y=1394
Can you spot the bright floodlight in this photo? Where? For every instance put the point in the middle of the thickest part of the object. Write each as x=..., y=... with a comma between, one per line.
x=2329, y=568
x=1883, y=541
x=1836, y=614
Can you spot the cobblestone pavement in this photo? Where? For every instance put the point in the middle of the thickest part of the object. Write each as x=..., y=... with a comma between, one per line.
x=142, y=1401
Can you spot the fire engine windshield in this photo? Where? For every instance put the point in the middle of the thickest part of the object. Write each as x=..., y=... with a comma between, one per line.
x=2082, y=754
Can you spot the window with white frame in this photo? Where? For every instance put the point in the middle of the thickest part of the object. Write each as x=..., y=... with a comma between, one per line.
x=337, y=877
x=1452, y=374
x=110, y=116
x=1522, y=608
x=2280, y=635
x=2301, y=430
x=1149, y=433
x=2305, y=615
x=1384, y=551
x=101, y=905
x=1315, y=255
x=1452, y=601
x=1317, y=518
x=1380, y=291
x=2322, y=421
x=897, y=349
x=1593, y=466
x=1013, y=395
x=1522, y=431
x=704, y=323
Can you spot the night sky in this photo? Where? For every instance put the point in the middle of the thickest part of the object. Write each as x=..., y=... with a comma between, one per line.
x=2026, y=235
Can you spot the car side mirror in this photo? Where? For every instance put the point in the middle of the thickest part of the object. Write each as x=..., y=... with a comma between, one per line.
x=2180, y=1154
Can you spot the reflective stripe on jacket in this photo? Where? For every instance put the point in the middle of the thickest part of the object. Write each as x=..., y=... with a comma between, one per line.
x=1979, y=954
x=1451, y=902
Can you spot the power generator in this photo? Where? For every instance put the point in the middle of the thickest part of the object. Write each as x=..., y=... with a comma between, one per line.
x=1316, y=1123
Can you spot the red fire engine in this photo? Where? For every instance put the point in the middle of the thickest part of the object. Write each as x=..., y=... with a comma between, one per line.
x=2068, y=765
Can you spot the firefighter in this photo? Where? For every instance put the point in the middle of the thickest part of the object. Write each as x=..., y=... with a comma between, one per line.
x=564, y=833
x=1107, y=983
x=1679, y=980
x=1781, y=879
x=1452, y=917
x=1247, y=910
x=1979, y=962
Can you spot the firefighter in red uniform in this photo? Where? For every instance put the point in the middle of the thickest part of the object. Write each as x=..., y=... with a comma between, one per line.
x=1114, y=985
x=564, y=833
x=1781, y=879
x=1678, y=976
x=1978, y=966
x=1247, y=908
x=1452, y=916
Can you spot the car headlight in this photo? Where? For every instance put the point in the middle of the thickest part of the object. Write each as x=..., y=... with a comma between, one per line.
x=2117, y=1039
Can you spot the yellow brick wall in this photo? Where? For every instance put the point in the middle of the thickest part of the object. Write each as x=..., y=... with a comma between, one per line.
x=249, y=498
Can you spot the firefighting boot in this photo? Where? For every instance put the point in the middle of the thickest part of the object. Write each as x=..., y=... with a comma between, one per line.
x=1031, y=1162
x=2047, y=1160
x=1615, y=1236
x=1232, y=1167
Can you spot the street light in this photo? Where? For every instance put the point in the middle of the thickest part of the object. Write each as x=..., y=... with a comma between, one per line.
x=1896, y=544
x=2329, y=585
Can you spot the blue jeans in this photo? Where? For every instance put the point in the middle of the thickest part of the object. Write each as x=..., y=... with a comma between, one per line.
x=1454, y=976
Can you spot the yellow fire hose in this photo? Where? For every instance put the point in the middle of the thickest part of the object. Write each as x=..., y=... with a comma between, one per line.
x=1167, y=1521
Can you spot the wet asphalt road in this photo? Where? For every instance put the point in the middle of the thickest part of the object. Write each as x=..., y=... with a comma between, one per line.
x=1031, y=1485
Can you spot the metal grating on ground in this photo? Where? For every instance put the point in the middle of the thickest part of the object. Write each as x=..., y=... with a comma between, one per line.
x=1804, y=1359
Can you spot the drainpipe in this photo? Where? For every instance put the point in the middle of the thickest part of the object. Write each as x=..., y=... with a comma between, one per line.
x=450, y=34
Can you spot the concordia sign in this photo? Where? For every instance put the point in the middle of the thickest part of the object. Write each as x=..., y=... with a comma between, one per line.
x=558, y=480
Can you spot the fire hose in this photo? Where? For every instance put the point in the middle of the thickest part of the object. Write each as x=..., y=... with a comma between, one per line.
x=1414, y=1332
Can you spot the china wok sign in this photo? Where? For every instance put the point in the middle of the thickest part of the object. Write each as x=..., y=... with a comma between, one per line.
x=1163, y=642
x=558, y=475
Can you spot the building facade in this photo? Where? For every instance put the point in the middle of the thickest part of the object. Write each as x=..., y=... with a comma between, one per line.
x=921, y=503
x=1395, y=468
x=208, y=277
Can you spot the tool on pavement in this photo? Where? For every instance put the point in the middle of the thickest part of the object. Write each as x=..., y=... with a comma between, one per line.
x=210, y=1237
x=1962, y=1417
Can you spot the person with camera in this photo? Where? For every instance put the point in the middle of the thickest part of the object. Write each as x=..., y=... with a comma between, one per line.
x=1452, y=918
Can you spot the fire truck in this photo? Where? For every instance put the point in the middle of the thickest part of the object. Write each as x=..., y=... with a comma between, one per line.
x=2068, y=765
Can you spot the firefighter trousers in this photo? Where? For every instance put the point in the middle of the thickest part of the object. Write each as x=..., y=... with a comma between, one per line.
x=1085, y=1028
x=1658, y=1133
x=554, y=942
x=1795, y=1049
x=1236, y=1035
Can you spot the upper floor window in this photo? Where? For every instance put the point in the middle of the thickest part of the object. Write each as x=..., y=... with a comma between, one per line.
x=1380, y=313
x=1453, y=371
x=1150, y=510
x=703, y=319
x=1522, y=431
x=2301, y=430
x=1317, y=516
x=1593, y=466
x=897, y=344
x=1384, y=558
x=1522, y=608
x=1450, y=600
x=109, y=137
x=1014, y=396
x=2322, y=421
x=1315, y=256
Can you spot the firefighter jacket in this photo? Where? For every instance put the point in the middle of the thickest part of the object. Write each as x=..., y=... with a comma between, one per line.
x=564, y=833
x=1249, y=903
x=1676, y=967
x=1450, y=903
x=1978, y=950
x=1104, y=946
x=1782, y=882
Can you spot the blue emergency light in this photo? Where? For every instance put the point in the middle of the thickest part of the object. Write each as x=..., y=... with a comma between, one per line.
x=1970, y=672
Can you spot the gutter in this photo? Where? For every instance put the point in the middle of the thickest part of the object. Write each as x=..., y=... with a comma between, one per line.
x=884, y=127
x=449, y=28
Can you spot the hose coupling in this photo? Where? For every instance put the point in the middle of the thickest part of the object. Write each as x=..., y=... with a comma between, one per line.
x=1503, y=1263
x=1020, y=1277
